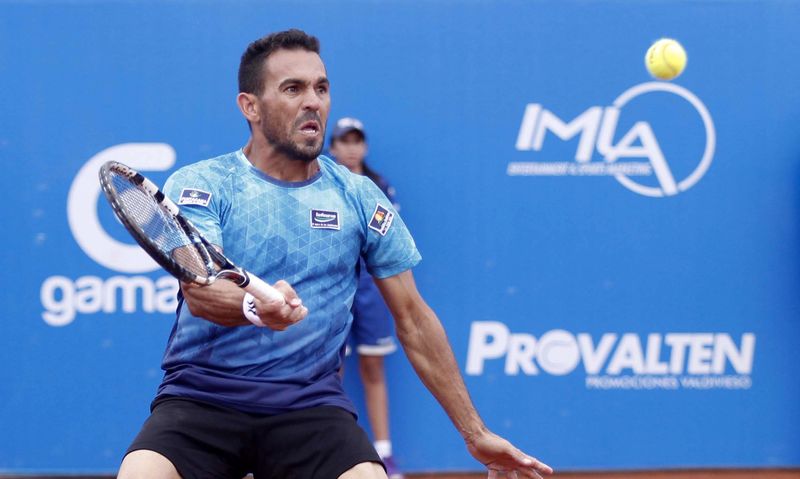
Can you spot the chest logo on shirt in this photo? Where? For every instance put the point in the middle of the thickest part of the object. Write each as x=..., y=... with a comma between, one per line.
x=381, y=219
x=191, y=196
x=324, y=219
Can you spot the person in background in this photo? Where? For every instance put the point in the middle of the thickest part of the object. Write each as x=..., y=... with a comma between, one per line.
x=372, y=333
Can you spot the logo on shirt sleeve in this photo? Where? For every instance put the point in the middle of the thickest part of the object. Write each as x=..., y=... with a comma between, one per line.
x=326, y=220
x=191, y=196
x=381, y=219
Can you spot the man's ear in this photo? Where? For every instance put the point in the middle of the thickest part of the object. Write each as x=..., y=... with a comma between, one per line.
x=249, y=107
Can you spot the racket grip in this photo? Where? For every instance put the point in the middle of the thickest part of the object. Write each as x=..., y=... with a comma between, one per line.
x=262, y=290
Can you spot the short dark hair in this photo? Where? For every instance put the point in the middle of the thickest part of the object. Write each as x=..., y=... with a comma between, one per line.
x=251, y=66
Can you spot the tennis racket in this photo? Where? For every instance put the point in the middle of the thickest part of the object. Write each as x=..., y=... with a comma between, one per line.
x=156, y=223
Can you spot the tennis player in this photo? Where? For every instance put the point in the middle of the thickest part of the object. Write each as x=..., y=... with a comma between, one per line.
x=251, y=386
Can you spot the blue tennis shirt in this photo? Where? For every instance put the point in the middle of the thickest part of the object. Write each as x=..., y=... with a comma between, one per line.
x=310, y=234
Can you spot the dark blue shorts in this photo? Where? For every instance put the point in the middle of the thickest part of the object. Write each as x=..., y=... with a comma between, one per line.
x=204, y=440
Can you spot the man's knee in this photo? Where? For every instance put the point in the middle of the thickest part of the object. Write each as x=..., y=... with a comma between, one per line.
x=145, y=464
x=365, y=470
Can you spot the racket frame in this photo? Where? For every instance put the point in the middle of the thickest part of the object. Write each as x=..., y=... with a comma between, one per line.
x=207, y=251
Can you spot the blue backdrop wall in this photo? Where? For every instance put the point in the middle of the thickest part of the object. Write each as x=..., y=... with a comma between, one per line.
x=615, y=259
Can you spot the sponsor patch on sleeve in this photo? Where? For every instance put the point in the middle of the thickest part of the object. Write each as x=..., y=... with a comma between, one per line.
x=192, y=196
x=324, y=219
x=381, y=219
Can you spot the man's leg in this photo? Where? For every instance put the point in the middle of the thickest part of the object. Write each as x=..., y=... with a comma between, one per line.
x=323, y=441
x=144, y=464
x=189, y=439
x=365, y=470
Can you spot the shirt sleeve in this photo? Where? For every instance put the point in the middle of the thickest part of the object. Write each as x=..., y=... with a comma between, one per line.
x=389, y=248
x=199, y=201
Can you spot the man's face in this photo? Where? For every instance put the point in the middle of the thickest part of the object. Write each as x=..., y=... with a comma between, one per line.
x=350, y=150
x=295, y=103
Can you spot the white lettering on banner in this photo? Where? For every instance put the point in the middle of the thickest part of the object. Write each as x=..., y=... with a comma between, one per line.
x=597, y=127
x=82, y=206
x=666, y=361
x=536, y=122
x=63, y=298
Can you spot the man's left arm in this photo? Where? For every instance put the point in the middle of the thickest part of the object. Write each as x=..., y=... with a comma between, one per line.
x=424, y=340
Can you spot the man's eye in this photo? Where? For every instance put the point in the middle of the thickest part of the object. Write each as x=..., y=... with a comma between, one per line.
x=291, y=89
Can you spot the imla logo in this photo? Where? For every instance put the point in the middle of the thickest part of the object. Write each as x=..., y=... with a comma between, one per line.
x=597, y=128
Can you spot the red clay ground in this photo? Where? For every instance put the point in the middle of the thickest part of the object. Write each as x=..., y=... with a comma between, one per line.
x=705, y=474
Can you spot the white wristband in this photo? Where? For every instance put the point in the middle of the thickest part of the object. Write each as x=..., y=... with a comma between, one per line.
x=249, y=310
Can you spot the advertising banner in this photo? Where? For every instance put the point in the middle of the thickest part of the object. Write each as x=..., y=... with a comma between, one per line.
x=614, y=257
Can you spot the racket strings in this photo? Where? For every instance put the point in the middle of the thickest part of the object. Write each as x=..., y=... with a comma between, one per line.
x=196, y=258
x=161, y=228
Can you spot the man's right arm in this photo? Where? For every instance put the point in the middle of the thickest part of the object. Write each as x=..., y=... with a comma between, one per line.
x=221, y=303
x=427, y=348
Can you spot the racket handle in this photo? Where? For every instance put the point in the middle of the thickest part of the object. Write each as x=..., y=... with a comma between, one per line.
x=261, y=290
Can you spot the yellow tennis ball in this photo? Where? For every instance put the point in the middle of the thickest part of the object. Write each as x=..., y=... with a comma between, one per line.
x=665, y=59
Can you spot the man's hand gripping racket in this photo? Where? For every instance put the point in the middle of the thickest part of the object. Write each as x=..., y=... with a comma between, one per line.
x=155, y=222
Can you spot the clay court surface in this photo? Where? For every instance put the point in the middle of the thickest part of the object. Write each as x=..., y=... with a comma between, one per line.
x=704, y=474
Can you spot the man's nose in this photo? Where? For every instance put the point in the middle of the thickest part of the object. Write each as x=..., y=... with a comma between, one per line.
x=312, y=100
